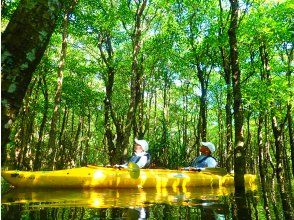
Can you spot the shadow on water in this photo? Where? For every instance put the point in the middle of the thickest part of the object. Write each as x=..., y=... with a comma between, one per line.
x=164, y=203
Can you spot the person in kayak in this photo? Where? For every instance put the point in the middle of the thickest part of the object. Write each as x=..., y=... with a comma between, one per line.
x=205, y=160
x=140, y=156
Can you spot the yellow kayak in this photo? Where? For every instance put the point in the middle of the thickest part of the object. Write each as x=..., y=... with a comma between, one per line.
x=102, y=177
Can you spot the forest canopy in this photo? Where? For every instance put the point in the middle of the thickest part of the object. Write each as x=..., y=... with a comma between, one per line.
x=159, y=70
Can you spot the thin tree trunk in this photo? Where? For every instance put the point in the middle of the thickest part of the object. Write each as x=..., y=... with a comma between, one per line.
x=77, y=148
x=63, y=124
x=87, y=145
x=248, y=146
x=109, y=81
x=22, y=136
x=262, y=173
x=141, y=122
x=28, y=125
x=163, y=161
x=61, y=143
x=203, y=79
x=289, y=105
x=37, y=162
x=239, y=152
x=136, y=78
x=227, y=76
x=203, y=102
x=118, y=144
x=148, y=116
x=222, y=151
x=138, y=121
x=57, y=100
x=278, y=136
x=291, y=134
x=280, y=175
x=229, y=131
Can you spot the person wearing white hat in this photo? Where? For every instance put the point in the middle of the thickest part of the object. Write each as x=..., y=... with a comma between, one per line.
x=141, y=157
x=205, y=160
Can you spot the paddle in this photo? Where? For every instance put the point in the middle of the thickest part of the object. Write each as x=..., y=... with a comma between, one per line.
x=133, y=169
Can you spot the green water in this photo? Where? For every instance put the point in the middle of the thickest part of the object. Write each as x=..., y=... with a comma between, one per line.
x=201, y=203
x=196, y=203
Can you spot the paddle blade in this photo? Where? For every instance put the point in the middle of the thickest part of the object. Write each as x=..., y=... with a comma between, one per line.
x=134, y=170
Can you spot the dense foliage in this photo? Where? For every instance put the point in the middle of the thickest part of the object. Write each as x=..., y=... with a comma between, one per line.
x=163, y=71
x=176, y=52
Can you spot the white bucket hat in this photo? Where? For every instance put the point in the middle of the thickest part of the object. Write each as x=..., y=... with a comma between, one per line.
x=209, y=145
x=143, y=144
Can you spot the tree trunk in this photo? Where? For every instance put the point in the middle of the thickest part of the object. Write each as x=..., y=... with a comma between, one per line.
x=61, y=143
x=262, y=173
x=23, y=44
x=202, y=76
x=148, y=116
x=37, y=163
x=221, y=151
x=85, y=160
x=136, y=78
x=227, y=76
x=63, y=124
x=164, y=140
x=27, y=126
x=203, y=79
x=278, y=137
x=118, y=144
x=249, y=147
x=139, y=124
x=21, y=138
x=239, y=153
x=109, y=81
x=57, y=100
x=185, y=139
x=291, y=135
x=286, y=201
x=77, y=148
x=289, y=106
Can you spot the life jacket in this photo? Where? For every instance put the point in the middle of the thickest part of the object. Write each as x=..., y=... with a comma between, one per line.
x=200, y=162
x=136, y=158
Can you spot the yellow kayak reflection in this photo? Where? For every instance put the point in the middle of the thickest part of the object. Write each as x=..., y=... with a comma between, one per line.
x=109, y=198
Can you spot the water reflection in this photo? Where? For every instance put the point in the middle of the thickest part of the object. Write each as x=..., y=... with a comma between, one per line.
x=163, y=203
x=105, y=198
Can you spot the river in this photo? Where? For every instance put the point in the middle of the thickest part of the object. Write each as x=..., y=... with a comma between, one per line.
x=162, y=203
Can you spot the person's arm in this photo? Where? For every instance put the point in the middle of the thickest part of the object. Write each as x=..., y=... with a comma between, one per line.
x=142, y=162
x=194, y=162
x=125, y=165
x=211, y=162
x=192, y=165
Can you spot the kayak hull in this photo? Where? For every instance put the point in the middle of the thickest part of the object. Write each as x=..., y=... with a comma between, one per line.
x=101, y=177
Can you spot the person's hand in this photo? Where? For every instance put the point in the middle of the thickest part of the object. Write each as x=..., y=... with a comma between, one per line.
x=184, y=168
x=188, y=168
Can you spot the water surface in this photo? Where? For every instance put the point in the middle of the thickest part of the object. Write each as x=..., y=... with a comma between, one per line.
x=163, y=203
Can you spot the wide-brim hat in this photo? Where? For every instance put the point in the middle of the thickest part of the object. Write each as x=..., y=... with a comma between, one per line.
x=209, y=145
x=142, y=143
